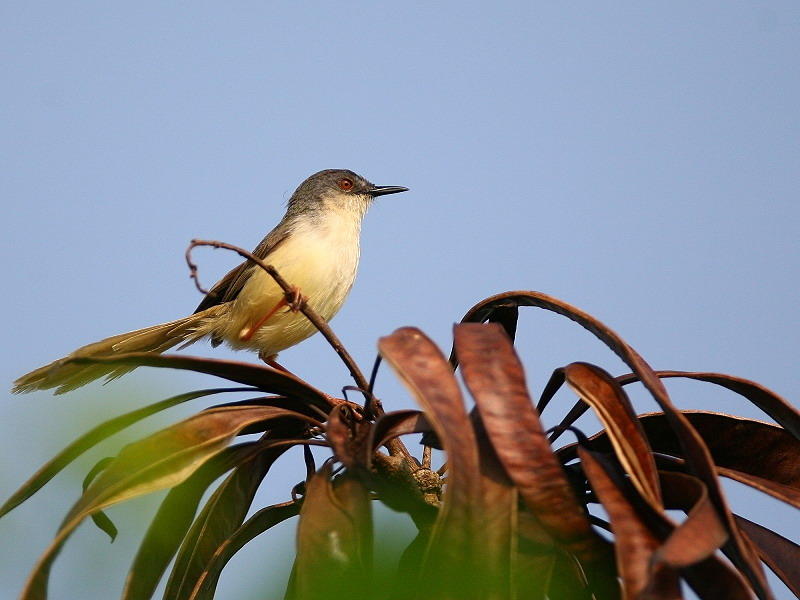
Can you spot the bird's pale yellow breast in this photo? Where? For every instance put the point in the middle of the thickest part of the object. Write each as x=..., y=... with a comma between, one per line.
x=319, y=260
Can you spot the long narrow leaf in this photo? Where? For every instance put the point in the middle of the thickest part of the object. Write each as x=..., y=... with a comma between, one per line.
x=94, y=437
x=264, y=378
x=169, y=456
x=159, y=461
x=221, y=516
x=500, y=516
x=614, y=410
x=768, y=401
x=494, y=376
x=745, y=445
x=634, y=543
x=261, y=521
x=689, y=545
x=785, y=493
x=782, y=556
x=170, y=524
x=451, y=556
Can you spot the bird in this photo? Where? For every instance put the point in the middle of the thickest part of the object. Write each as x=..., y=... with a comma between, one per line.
x=315, y=248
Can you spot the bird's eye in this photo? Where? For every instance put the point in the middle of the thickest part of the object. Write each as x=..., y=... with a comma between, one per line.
x=346, y=184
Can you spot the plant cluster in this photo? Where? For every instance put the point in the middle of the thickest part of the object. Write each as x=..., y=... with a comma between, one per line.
x=510, y=514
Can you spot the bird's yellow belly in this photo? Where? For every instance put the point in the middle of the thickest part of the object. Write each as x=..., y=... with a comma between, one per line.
x=311, y=267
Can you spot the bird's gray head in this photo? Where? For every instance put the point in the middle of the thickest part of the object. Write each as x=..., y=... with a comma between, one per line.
x=337, y=189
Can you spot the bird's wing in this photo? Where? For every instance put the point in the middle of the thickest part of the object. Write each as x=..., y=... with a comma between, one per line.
x=227, y=288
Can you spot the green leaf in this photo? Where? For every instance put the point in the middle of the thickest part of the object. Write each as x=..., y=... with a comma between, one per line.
x=173, y=519
x=221, y=516
x=94, y=437
x=161, y=460
x=260, y=522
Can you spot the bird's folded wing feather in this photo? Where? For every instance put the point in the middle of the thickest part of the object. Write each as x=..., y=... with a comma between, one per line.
x=227, y=288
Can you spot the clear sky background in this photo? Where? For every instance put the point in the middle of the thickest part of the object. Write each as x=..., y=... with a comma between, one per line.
x=639, y=160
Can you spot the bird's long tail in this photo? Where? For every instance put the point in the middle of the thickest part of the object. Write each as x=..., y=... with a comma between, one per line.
x=66, y=375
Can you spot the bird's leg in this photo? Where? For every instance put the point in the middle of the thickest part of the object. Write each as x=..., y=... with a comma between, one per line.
x=269, y=360
x=294, y=300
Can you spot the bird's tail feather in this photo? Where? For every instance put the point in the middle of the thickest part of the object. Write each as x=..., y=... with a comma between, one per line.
x=66, y=375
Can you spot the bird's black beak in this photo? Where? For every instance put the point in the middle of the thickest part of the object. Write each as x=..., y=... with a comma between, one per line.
x=383, y=190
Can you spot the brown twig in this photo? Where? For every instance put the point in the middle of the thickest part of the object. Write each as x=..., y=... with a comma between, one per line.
x=318, y=322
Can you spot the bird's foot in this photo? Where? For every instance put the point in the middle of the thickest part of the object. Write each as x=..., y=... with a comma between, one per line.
x=295, y=300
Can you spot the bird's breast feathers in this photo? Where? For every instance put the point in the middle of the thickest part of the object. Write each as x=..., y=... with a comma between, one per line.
x=320, y=262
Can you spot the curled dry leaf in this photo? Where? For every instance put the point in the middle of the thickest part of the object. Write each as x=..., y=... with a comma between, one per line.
x=424, y=370
x=494, y=376
x=634, y=543
x=599, y=390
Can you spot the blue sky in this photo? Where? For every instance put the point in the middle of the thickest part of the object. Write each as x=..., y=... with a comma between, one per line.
x=639, y=160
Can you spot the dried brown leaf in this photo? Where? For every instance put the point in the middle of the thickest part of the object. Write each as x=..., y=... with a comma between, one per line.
x=691, y=548
x=506, y=316
x=264, y=378
x=612, y=406
x=453, y=547
x=737, y=445
x=786, y=415
x=790, y=495
x=782, y=556
x=697, y=455
x=634, y=543
x=495, y=378
x=334, y=539
x=500, y=511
